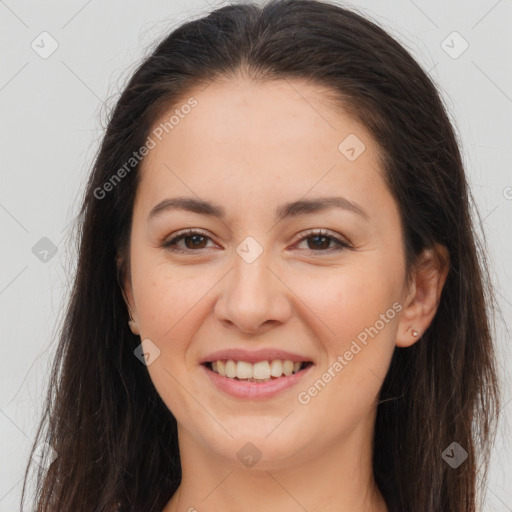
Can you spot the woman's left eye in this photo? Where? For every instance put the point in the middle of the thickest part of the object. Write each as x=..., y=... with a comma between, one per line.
x=321, y=239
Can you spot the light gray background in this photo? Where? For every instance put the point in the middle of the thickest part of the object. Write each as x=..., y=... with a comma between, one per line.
x=52, y=113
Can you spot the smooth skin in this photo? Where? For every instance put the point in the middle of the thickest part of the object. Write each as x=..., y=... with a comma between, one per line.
x=251, y=147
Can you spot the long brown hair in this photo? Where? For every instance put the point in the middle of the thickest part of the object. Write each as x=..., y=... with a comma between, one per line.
x=116, y=440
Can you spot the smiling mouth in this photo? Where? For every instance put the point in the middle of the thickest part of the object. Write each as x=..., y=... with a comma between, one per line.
x=263, y=371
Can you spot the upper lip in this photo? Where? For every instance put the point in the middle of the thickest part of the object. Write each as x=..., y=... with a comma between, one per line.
x=253, y=356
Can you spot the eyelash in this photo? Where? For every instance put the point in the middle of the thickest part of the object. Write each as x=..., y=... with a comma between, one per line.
x=312, y=233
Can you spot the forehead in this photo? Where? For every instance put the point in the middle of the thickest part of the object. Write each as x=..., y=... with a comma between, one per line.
x=241, y=114
x=251, y=141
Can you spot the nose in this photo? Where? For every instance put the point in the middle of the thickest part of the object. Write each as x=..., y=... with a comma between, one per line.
x=253, y=298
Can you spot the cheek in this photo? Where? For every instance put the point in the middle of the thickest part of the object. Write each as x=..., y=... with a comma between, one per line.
x=358, y=309
x=170, y=305
x=166, y=298
x=349, y=300
x=358, y=314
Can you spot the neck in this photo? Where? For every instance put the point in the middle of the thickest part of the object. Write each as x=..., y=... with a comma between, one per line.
x=339, y=479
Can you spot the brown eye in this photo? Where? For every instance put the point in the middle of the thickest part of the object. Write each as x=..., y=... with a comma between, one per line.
x=196, y=242
x=319, y=240
x=193, y=240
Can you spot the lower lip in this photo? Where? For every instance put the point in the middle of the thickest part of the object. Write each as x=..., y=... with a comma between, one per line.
x=255, y=390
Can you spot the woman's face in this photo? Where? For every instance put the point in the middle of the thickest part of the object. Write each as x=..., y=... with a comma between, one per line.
x=261, y=278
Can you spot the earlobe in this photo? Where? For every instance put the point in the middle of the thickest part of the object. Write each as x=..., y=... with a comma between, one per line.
x=134, y=327
x=124, y=285
x=408, y=336
x=424, y=297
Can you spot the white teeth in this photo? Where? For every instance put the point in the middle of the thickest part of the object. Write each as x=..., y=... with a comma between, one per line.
x=288, y=367
x=230, y=369
x=243, y=370
x=276, y=368
x=261, y=371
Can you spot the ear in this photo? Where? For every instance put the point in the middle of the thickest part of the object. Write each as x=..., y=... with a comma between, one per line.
x=125, y=283
x=424, y=294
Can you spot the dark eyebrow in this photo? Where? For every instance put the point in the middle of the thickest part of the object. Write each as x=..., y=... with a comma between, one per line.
x=291, y=209
x=190, y=204
x=303, y=206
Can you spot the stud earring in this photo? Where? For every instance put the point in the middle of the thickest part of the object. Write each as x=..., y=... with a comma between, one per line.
x=415, y=333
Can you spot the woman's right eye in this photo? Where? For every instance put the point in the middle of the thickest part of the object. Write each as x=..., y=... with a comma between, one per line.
x=189, y=234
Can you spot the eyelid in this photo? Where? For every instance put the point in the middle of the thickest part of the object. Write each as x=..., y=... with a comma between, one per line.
x=189, y=232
